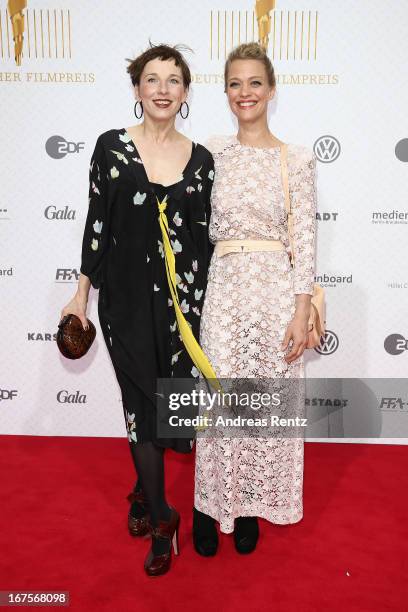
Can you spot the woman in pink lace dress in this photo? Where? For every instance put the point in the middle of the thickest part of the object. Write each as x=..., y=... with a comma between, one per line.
x=255, y=316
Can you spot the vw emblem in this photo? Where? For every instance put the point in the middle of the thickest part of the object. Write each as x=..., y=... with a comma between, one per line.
x=327, y=149
x=329, y=344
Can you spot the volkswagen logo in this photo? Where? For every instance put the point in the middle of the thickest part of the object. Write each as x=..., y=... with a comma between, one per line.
x=329, y=343
x=327, y=149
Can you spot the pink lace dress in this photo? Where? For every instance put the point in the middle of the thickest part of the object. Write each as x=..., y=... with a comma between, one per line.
x=249, y=302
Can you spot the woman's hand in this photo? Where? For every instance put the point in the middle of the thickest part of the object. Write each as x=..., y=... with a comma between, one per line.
x=79, y=302
x=77, y=306
x=298, y=329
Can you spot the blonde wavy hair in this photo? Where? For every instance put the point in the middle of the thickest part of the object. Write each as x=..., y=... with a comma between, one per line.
x=252, y=51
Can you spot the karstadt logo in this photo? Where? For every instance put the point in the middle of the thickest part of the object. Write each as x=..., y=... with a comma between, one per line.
x=329, y=343
x=62, y=214
x=327, y=149
x=333, y=402
x=66, y=275
x=57, y=147
x=65, y=397
x=395, y=344
x=41, y=337
x=7, y=394
x=326, y=216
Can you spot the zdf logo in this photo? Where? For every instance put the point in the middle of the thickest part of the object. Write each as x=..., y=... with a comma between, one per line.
x=57, y=147
x=6, y=394
x=395, y=344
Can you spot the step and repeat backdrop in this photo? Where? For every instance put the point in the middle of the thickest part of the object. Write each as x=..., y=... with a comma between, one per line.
x=341, y=91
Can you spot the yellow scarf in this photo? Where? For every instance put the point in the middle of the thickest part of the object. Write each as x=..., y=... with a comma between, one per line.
x=193, y=348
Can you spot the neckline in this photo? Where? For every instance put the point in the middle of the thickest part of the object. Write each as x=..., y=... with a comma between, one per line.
x=166, y=186
x=193, y=146
x=244, y=146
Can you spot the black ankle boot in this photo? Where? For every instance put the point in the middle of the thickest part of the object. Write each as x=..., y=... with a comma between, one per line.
x=246, y=533
x=205, y=536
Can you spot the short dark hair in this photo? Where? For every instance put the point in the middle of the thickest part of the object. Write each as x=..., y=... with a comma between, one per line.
x=164, y=53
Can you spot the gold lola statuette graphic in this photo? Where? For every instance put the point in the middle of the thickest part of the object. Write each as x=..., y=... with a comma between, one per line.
x=262, y=10
x=15, y=9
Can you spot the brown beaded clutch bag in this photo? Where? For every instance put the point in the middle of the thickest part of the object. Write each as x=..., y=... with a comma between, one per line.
x=72, y=339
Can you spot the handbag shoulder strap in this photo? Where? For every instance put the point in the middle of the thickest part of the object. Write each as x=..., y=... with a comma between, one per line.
x=285, y=185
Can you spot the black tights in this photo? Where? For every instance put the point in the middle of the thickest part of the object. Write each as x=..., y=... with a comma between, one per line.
x=149, y=462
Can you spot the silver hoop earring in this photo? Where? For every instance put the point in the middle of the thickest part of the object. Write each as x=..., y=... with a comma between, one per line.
x=135, y=109
x=187, y=113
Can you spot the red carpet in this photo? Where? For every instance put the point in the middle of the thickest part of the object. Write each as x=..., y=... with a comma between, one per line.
x=63, y=527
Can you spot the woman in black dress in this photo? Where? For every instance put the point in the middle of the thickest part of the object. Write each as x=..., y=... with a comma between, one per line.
x=131, y=171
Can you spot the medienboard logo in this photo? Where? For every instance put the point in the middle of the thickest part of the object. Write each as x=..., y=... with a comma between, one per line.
x=332, y=280
x=329, y=343
x=395, y=344
x=57, y=147
x=389, y=217
x=62, y=214
x=6, y=272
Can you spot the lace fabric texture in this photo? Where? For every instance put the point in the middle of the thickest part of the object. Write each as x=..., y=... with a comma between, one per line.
x=250, y=300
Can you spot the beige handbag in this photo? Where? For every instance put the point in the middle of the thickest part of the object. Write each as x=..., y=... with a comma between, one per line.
x=317, y=312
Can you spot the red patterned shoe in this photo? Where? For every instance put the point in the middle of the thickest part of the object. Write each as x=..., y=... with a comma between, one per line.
x=156, y=565
x=138, y=525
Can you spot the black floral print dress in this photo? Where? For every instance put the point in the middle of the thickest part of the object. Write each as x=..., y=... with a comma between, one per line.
x=123, y=256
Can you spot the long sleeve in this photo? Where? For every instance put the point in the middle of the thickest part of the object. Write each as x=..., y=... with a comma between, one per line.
x=95, y=238
x=208, y=191
x=302, y=184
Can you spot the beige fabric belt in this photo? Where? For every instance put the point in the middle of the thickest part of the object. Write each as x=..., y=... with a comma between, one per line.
x=223, y=247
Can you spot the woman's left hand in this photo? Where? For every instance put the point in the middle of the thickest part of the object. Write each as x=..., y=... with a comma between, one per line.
x=296, y=331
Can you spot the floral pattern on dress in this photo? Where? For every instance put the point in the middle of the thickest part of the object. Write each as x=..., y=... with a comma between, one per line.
x=129, y=269
x=249, y=302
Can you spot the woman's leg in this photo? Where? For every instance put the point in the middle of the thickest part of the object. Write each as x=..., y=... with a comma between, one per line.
x=149, y=462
